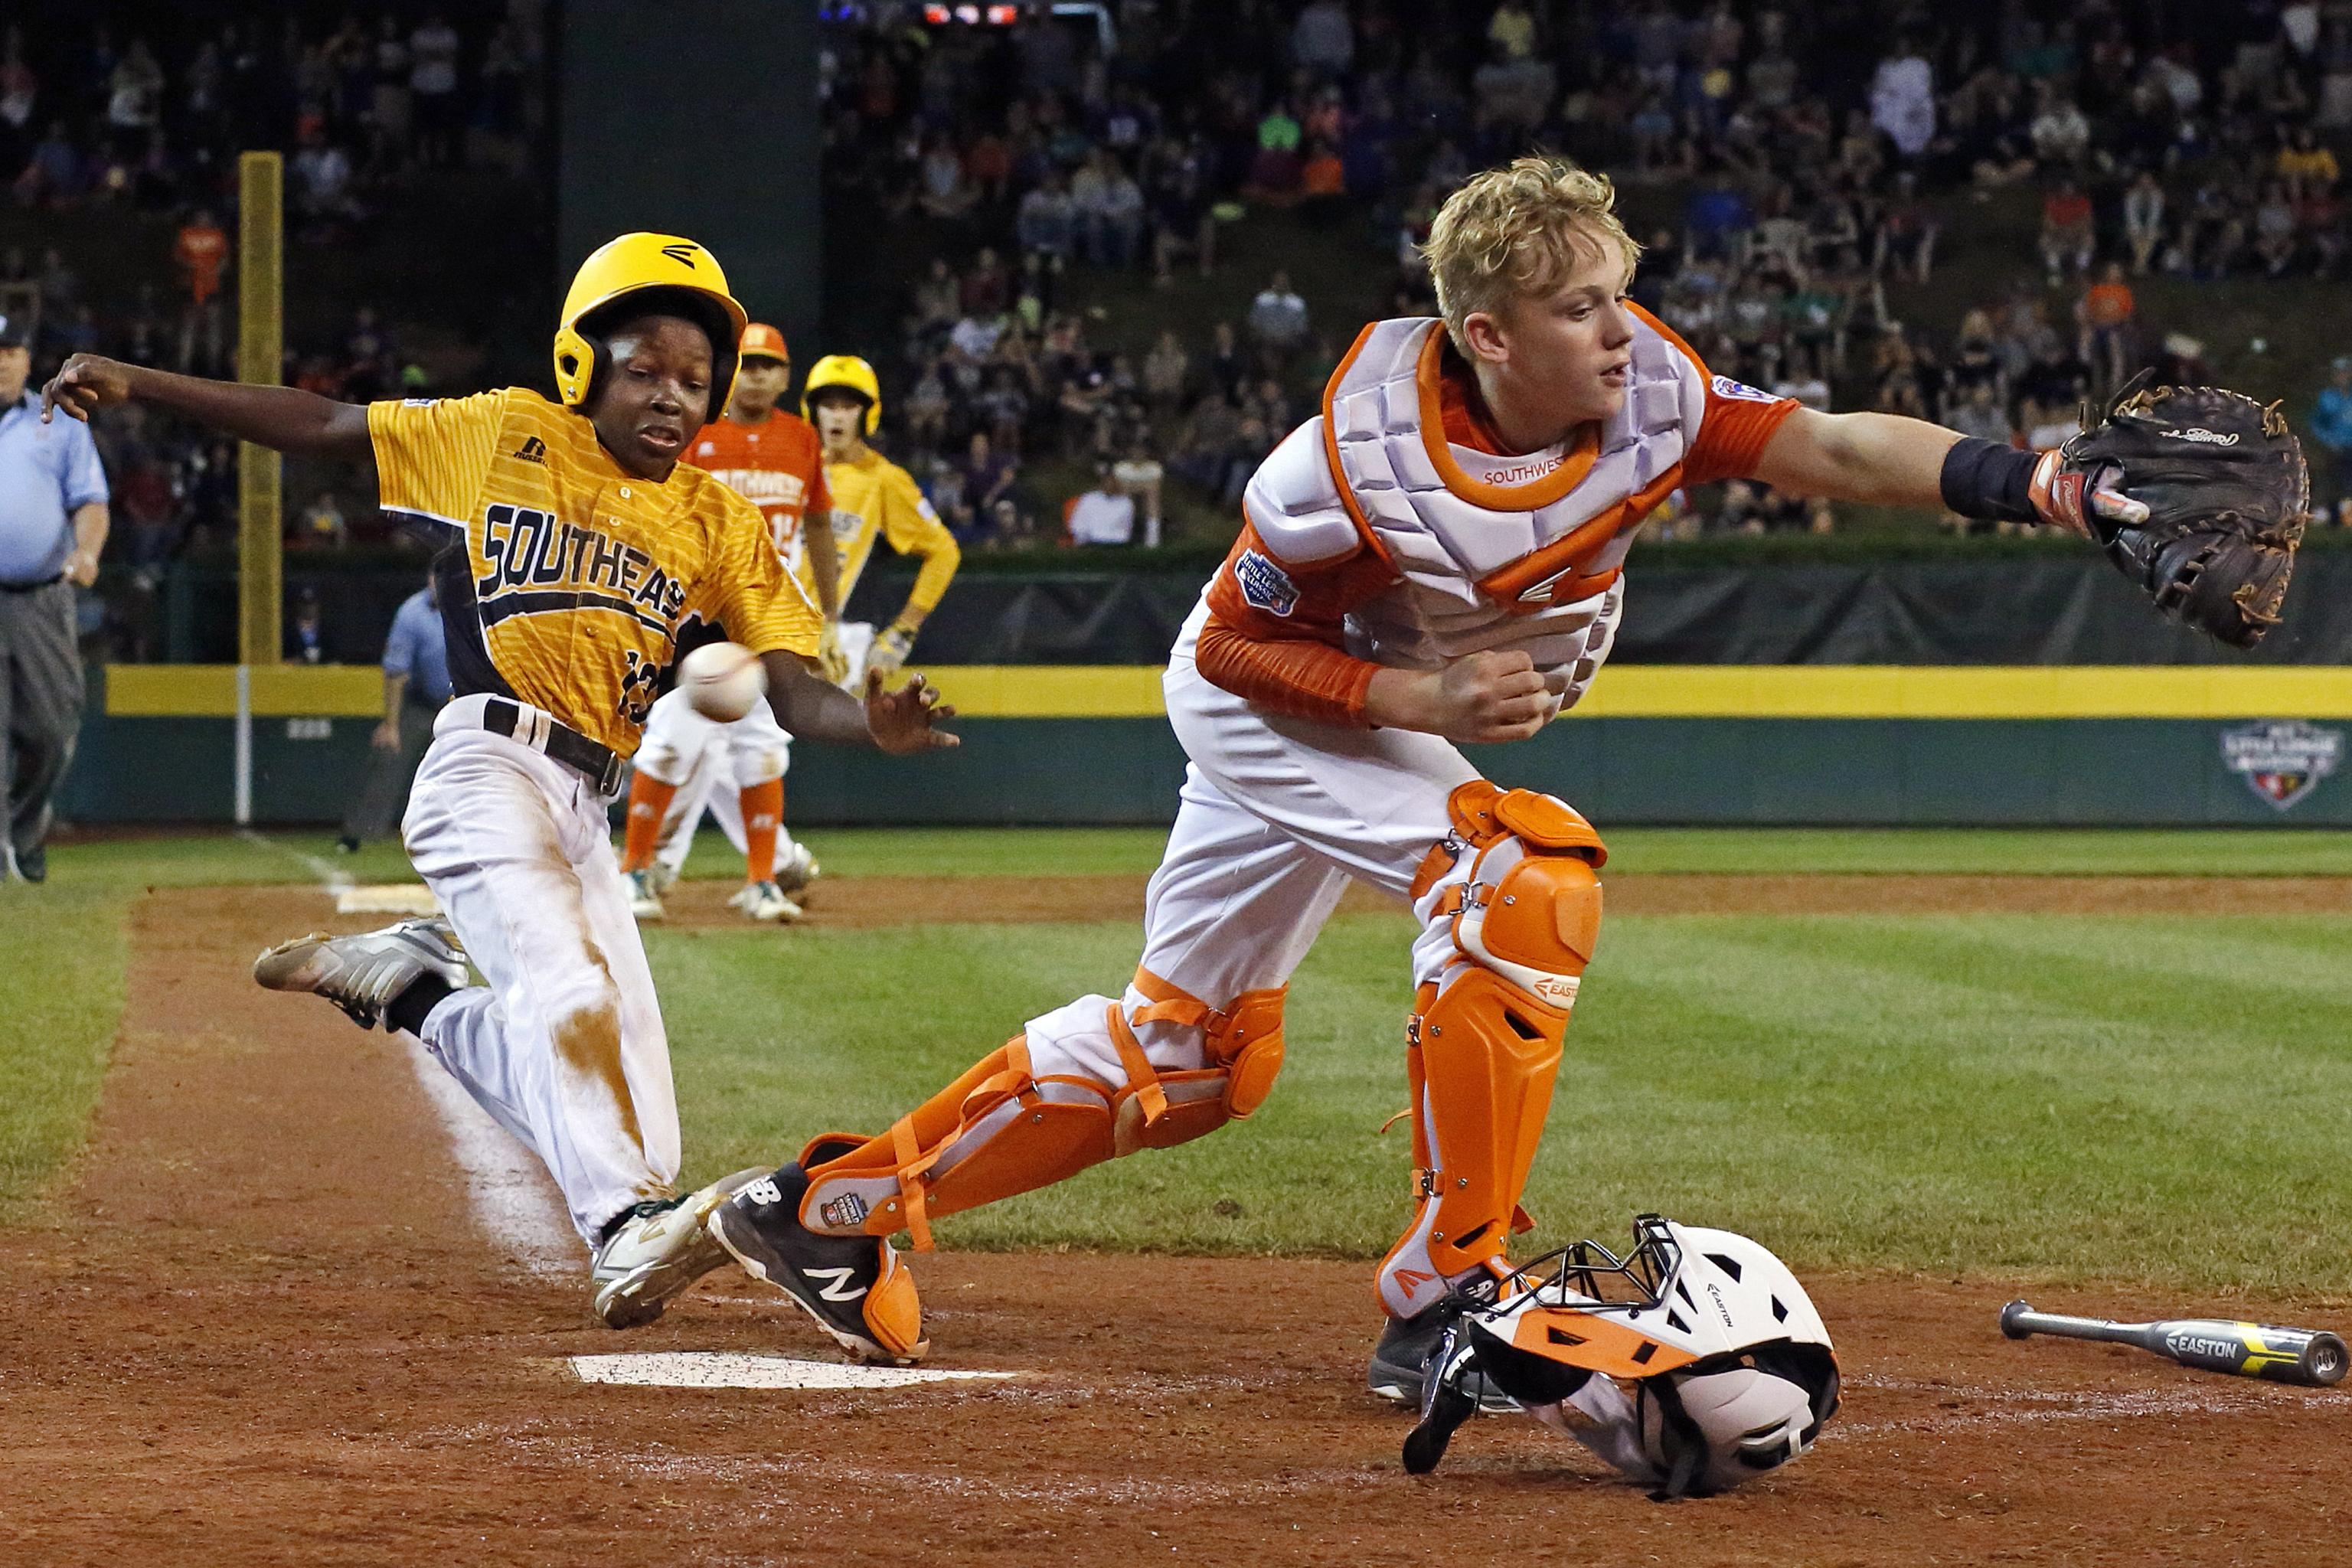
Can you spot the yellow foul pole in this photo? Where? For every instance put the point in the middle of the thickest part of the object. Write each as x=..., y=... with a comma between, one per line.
x=260, y=342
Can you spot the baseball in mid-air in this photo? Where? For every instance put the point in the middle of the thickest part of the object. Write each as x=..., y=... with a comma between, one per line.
x=721, y=681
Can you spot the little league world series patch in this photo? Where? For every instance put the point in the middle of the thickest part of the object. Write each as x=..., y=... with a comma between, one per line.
x=2282, y=761
x=1265, y=585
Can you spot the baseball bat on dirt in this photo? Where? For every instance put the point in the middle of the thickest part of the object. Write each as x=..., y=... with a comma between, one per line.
x=2312, y=1357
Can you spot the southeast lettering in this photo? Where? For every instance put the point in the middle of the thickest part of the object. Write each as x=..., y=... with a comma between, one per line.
x=534, y=563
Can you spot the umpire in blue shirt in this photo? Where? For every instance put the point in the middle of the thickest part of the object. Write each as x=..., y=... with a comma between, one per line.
x=415, y=684
x=52, y=525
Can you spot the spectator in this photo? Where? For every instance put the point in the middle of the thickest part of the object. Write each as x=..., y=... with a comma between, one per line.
x=322, y=523
x=988, y=473
x=2104, y=315
x=1277, y=317
x=415, y=684
x=306, y=635
x=1978, y=413
x=54, y=175
x=1139, y=475
x=927, y=409
x=1047, y=225
x=200, y=252
x=53, y=525
x=2331, y=421
x=1167, y=371
x=433, y=89
x=945, y=193
x=1512, y=29
x=2061, y=135
x=2143, y=220
x=2067, y=237
x=1903, y=99
x=1323, y=39
x=1102, y=515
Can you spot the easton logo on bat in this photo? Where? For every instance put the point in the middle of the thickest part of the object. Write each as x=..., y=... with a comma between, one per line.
x=2282, y=761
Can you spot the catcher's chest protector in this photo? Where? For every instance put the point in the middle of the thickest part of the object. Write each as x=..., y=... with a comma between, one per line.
x=1515, y=553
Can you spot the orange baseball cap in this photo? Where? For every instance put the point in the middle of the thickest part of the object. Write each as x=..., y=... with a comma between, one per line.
x=761, y=341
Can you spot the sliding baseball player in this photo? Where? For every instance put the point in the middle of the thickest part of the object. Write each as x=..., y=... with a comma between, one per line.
x=580, y=550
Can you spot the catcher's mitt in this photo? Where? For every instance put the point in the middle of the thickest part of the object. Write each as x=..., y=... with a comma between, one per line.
x=2197, y=494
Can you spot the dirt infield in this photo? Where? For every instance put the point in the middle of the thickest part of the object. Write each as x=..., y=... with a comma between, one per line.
x=266, y=1329
x=903, y=901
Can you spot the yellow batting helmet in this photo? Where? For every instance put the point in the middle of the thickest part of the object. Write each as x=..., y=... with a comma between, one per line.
x=634, y=263
x=851, y=374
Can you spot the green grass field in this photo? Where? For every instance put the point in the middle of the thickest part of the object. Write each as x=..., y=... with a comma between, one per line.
x=2154, y=1098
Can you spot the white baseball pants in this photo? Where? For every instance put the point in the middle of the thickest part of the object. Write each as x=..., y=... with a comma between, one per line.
x=710, y=764
x=1275, y=815
x=564, y=1044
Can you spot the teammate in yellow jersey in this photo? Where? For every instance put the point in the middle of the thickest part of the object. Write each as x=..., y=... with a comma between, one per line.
x=579, y=549
x=873, y=497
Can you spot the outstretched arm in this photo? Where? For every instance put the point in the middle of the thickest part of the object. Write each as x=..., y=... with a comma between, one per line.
x=1891, y=460
x=900, y=723
x=1881, y=458
x=283, y=418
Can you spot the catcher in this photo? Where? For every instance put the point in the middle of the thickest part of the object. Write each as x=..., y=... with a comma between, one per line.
x=1438, y=557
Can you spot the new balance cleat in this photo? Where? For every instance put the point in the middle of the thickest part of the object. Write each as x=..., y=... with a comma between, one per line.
x=658, y=1250
x=363, y=973
x=644, y=898
x=766, y=901
x=854, y=1285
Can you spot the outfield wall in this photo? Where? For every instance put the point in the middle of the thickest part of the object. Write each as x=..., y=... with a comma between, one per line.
x=1850, y=745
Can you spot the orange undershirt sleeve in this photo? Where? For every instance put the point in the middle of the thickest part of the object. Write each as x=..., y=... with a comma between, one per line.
x=1275, y=635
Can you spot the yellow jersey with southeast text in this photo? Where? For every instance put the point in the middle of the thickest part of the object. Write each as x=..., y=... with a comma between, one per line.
x=574, y=580
x=874, y=498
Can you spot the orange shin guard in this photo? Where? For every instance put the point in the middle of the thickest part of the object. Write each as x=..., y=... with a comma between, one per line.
x=1003, y=1129
x=1483, y=1045
x=649, y=801
x=763, y=813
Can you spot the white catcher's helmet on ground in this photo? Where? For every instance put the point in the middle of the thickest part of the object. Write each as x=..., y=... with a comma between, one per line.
x=1693, y=1363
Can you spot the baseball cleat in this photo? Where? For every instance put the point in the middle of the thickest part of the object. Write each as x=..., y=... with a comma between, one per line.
x=363, y=973
x=661, y=876
x=797, y=869
x=658, y=1250
x=1399, y=1371
x=854, y=1285
x=766, y=901
x=645, y=901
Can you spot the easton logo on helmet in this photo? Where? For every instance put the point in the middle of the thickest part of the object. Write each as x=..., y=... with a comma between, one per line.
x=682, y=254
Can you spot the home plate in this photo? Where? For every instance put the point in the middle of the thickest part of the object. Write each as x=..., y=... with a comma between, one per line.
x=735, y=1369
x=386, y=898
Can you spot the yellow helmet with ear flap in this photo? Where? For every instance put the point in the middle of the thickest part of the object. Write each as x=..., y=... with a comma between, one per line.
x=634, y=263
x=850, y=372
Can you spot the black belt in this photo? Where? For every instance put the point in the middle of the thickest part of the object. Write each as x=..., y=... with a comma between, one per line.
x=566, y=746
x=32, y=587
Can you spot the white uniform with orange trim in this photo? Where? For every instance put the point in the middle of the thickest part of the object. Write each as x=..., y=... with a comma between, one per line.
x=1368, y=526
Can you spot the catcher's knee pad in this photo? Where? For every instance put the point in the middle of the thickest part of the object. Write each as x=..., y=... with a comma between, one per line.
x=1242, y=1054
x=1485, y=1040
x=1004, y=1128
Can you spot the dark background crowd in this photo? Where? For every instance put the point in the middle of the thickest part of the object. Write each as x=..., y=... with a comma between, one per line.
x=1105, y=259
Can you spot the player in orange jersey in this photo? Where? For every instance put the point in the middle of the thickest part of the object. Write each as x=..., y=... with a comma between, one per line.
x=687, y=762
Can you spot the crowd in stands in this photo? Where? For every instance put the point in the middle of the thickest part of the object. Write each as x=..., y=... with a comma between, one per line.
x=1813, y=162
x=142, y=110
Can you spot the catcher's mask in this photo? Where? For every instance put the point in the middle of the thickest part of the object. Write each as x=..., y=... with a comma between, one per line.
x=1715, y=1364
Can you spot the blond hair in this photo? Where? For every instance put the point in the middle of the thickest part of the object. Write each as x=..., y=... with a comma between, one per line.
x=1519, y=230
